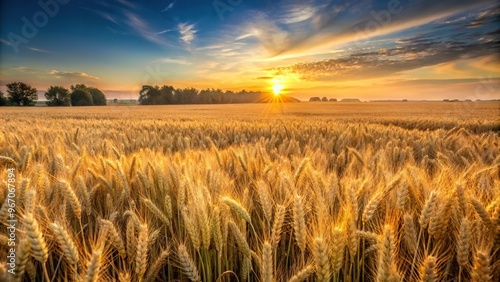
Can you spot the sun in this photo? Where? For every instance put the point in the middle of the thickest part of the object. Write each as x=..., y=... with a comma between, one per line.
x=277, y=87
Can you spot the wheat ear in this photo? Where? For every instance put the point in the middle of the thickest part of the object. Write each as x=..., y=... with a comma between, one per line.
x=267, y=263
x=299, y=224
x=141, y=259
x=303, y=274
x=116, y=238
x=237, y=207
x=428, y=272
x=482, y=269
x=322, y=263
x=93, y=267
x=187, y=264
x=67, y=244
x=35, y=237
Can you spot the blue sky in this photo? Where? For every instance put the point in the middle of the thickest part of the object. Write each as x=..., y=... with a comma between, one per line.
x=414, y=49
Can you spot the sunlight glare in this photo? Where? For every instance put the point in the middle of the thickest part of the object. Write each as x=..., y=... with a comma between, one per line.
x=277, y=87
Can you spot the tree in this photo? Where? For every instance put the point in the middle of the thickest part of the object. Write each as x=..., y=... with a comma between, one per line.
x=97, y=96
x=81, y=97
x=21, y=94
x=58, y=96
x=78, y=86
x=186, y=95
x=150, y=95
x=3, y=100
x=167, y=93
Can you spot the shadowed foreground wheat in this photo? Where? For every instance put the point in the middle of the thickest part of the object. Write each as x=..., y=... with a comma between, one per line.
x=123, y=197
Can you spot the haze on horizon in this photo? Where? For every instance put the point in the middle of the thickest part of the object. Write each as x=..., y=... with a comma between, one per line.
x=389, y=49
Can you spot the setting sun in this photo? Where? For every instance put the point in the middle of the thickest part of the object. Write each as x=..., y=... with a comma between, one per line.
x=277, y=87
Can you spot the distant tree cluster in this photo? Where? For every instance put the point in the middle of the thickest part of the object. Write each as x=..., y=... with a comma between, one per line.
x=81, y=95
x=324, y=99
x=22, y=94
x=167, y=95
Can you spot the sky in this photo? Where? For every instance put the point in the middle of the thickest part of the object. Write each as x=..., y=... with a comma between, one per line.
x=378, y=49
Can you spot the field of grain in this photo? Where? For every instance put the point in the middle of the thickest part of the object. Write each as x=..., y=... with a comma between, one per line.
x=300, y=192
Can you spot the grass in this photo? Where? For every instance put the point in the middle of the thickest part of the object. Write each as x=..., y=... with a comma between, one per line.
x=302, y=192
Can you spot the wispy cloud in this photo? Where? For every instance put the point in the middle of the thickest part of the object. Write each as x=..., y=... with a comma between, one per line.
x=298, y=13
x=141, y=27
x=175, y=61
x=163, y=31
x=129, y=18
x=187, y=32
x=345, y=21
x=24, y=69
x=5, y=42
x=243, y=36
x=170, y=6
x=38, y=50
x=65, y=74
x=408, y=54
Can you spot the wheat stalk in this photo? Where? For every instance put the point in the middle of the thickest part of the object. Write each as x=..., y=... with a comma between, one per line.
x=35, y=237
x=116, y=238
x=237, y=207
x=93, y=267
x=279, y=219
x=240, y=239
x=299, y=224
x=71, y=197
x=67, y=244
x=141, y=258
x=267, y=263
x=322, y=263
x=187, y=264
x=428, y=272
x=302, y=274
x=482, y=269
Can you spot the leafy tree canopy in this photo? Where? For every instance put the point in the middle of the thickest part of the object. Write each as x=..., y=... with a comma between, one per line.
x=21, y=94
x=97, y=96
x=81, y=97
x=3, y=100
x=58, y=96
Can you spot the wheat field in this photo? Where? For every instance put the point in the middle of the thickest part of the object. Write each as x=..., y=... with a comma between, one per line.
x=300, y=192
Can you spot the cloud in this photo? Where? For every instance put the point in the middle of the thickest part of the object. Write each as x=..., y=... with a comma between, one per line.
x=175, y=61
x=129, y=18
x=243, y=36
x=5, y=42
x=170, y=6
x=187, y=32
x=163, y=31
x=25, y=69
x=491, y=16
x=38, y=50
x=210, y=47
x=142, y=28
x=408, y=54
x=345, y=21
x=298, y=13
x=65, y=74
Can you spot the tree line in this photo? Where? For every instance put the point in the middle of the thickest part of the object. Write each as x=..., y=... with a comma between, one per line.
x=167, y=95
x=22, y=94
